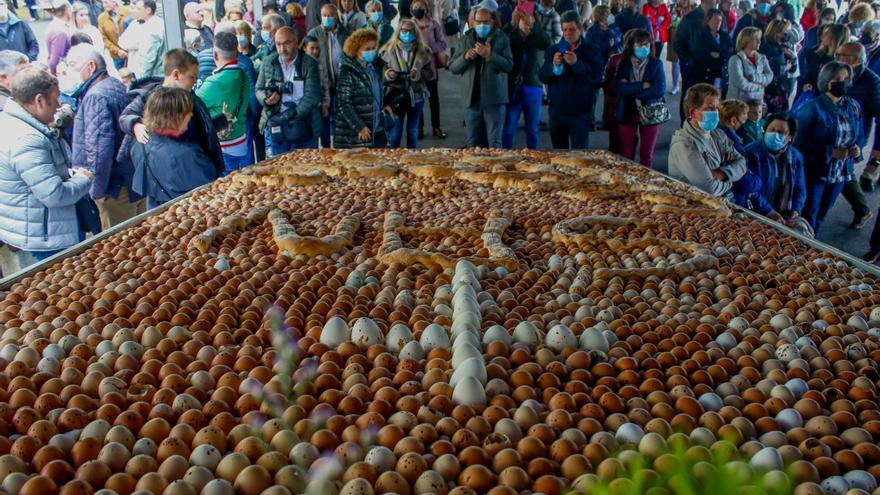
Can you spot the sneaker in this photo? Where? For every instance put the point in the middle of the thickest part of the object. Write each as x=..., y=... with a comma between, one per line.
x=675, y=91
x=871, y=256
x=860, y=222
x=866, y=184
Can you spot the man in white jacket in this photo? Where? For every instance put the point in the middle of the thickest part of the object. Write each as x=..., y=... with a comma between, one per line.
x=700, y=154
x=144, y=40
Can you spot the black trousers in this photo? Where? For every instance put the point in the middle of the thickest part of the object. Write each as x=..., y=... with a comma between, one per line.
x=434, y=102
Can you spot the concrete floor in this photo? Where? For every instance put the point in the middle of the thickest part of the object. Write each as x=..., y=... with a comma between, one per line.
x=835, y=230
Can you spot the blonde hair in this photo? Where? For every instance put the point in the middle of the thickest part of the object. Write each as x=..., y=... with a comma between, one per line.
x=294, y=10
x=600, y=12
x=244, y=28
x=166, y=108
x=732, y=108
x=776, y=30
x=861, y=13
x=358, y=39
x=746, y=36
x=418, y=44
x=839, y=36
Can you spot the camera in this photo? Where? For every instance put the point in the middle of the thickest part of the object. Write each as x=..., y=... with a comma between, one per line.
x=281, y=88
x=64, y=117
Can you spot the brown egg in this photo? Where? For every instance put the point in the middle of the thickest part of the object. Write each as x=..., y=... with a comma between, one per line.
x=95, y=473
x=478, y=478
x=39, y=485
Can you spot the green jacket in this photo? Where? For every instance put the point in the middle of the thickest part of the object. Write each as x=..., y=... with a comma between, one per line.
x=385, y=31
x=228, y=85
x=308, y=111
x=493, y=70
x=534, y=45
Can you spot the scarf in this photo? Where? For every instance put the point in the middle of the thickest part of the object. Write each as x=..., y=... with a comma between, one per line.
x=638, y=68
x=783, y=184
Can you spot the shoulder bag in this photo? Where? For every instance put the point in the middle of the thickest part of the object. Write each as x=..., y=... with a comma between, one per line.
x=232, y=118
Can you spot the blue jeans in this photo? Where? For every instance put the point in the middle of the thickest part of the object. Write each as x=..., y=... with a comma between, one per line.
x=412, y=116
x=273, y=149
x=820, y=198
x=234, y=163
x=526, y=100
x=42, y=255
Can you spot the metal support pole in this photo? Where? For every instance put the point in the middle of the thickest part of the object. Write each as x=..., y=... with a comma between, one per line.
x=173, y=17
x=258, y=15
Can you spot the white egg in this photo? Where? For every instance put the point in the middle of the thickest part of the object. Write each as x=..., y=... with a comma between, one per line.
x=780, y=321
x=766, y=459
x=861, y=480
x=465, y=322
x=469, y=392
x=412, y=350
x=559, y=337
x=365, y=333
x=797, y=386
x=465, y=338
x=381, y=458
x=526, y=333
x=474, y=367
x=787, y=352
x=497, y=333
x=593, y=340
x=463, y=352
x=335, y=332
x=629, y=433
x=789, y=418
x=875, y=314
x=434, y=337
x=738, y=323
x=357, y=486
x=835, y=485
x=711, y=401
x=726, y=341
x=398, y=336
x=206, y=455
x=857, y=322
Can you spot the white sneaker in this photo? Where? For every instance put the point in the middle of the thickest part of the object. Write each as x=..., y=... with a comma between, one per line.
x=675, y=91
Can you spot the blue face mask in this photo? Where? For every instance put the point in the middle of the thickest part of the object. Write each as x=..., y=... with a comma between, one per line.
x=539, y=8
x=482, y=30
x=709, y=122
x=328, y=22
x=642, y=52
x=774, y=141
x=375, y=17
x=265, y=36
x=763, y=8
x=368, y=56
x=557, y=69
x=407, y=37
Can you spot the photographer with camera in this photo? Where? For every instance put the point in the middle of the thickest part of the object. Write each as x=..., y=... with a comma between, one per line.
x=289, y=86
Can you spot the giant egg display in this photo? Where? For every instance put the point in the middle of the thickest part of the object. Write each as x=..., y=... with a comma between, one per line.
x=445, y=321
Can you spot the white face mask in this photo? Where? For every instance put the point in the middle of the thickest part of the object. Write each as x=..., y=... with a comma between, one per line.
x=4, y=12
x=69, y=81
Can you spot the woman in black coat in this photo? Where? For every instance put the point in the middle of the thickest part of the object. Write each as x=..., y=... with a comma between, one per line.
x=831, y=37
x=713, y=49
x=359, y=105
x=783, y=62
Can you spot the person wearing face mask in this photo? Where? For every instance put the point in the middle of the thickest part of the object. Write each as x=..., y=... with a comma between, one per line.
x=58, y=33
x=659, y=17
x=484, y=59
x=870, y=39
x=826, y=16
x=350, y=16
x=96, y=137
x=811, y=60
x=331, y=37
x=829, y=133
x=606, y=37
x=857, y=17
x=269, y=25
x=38, y=191
x=748, y=70
x=181, y=71
x=775, y=185
x=245, y=33
x=408, y=68
x=548, y=19
x=865, y=90
x=700, y=153
x=686, y=42
x=640, y=83
x=17, y=35
x=732, y=114
x=377, y=22
x=359, y=104
x=527, y=44
x=435, y=38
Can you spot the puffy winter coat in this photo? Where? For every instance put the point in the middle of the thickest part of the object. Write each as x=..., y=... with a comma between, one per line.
x=97, y=138
x=167, y=167
x=354, y=102
x=201, y=128
x=37, y=195
x=746, y=81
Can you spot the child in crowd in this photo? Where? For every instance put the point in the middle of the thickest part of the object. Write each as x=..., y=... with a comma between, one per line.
x=753, y=128
x=167, y=167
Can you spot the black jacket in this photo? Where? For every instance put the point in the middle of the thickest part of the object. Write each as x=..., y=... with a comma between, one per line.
x=686, y=35
x=571, y=93
x=707, y=68
x=866, y=91
x=628, y=19
x=167, y=167
x=354, y=102
x=811, y=63
x=533, y=46
x=201, y=128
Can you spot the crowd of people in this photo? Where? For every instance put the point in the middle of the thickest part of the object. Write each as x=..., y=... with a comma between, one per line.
x=777, y=100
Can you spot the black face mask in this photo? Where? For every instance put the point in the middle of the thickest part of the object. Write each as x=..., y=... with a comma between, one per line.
x=419, y=13
x=867, y=39
x=839, y=88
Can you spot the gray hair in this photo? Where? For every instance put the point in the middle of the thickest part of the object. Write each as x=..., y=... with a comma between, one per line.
x=86, y=52
x=872, y=26
x=371, y=5
x=226, y=46
x=226, y=27
x=30, y=82
x=10, y=60
x=860, y=48
x=192, y=39
x=828, y=72
x=274, y=20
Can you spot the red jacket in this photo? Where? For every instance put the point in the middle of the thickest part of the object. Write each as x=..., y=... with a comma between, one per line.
x=659, y=18
x=808, y=19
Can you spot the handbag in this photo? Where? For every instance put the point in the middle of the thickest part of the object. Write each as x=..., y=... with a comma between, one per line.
x=653, y=113
x=87, y=215
x=441, y=60
x=451, y=25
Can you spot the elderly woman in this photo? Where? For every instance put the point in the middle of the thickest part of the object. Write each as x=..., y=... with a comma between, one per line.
x=377, y=22
x=748, y=70
x=350, y=15
x=829, y=130
x=775, y=185
x=359, y=98
x=408, y=68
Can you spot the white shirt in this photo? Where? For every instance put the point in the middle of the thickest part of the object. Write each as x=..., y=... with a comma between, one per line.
x=291, y=75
